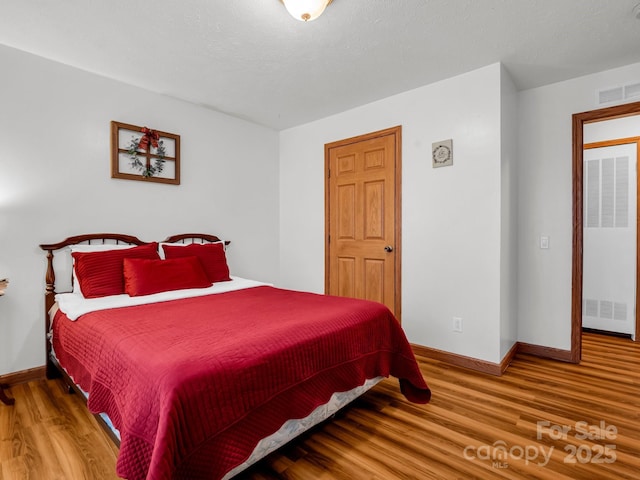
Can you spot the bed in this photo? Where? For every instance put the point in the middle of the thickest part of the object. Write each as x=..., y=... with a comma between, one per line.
x=199, y=373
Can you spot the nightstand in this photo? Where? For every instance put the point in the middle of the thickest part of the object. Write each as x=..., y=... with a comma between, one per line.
x=3, y=397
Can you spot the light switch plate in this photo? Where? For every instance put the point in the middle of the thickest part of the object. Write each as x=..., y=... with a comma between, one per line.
x=544, y=242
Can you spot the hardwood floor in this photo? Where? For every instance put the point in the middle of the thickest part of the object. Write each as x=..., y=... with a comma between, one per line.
x=540, y=411
x=49, y=434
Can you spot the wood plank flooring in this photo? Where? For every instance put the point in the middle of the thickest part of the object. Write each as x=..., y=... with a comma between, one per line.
x=49, y=435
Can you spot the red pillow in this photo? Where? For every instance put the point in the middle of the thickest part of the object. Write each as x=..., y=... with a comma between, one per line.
x=100, y=273
x=211, y=255
x=144, y=277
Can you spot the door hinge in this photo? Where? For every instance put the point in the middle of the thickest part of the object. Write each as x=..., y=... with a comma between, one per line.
x=329, y=239
x=329, y=173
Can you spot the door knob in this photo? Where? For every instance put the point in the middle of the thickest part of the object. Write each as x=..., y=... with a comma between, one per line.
x=388, y=248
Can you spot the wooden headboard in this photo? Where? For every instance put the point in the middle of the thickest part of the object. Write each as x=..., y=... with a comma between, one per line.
x=194, y=238
x=88, y=239
x=50, y=278
x=97, y=239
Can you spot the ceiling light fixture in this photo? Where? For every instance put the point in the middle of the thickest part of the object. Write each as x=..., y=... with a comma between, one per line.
x=306, y=10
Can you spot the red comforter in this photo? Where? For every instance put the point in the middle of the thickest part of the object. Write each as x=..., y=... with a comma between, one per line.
x=194, y=384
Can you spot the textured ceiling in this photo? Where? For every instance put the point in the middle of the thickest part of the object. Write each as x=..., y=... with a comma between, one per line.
x=249, y=58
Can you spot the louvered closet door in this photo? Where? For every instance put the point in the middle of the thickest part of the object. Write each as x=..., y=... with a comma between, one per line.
x=609, y=254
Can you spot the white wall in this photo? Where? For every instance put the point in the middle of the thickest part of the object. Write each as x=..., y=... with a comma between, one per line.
x=545, y=201
x=509, y=215
x=55, y=182
x=451, y=216
x=265, y=192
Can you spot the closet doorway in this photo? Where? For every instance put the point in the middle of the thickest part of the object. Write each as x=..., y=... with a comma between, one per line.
x=609, y=233
x=592, y=162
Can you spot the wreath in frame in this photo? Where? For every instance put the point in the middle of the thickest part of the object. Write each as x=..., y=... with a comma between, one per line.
x=150, y=138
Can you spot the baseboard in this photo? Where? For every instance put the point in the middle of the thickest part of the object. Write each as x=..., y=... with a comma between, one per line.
x=23, y=376
x=459, y=360
x=508, y=358
x=491, y=368
x=545, y=352
x=483, y=366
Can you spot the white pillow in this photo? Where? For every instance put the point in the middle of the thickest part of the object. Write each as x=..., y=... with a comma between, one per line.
x=98, y=247
x=186, y=244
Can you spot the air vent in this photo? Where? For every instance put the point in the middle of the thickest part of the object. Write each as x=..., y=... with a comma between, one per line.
x=611, y=95
x=624, y=93
x=606, y=309
x=591, y=308
x=632, y=92
x=606, y=193
x=620, y=311
x=622, y=192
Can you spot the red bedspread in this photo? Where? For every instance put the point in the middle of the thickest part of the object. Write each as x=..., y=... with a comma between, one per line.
x=194, y=384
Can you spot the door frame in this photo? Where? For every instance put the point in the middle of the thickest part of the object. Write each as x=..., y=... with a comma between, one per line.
x=578, y=121
x=397, y=133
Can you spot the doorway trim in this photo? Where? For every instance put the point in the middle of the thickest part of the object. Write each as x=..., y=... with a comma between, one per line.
x=397, y=133
x=579, y=120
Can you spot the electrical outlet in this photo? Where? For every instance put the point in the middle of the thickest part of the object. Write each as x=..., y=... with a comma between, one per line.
x=457, y=324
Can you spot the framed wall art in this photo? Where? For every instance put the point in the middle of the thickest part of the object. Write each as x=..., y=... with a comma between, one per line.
x=141, y=153
x=442, y=153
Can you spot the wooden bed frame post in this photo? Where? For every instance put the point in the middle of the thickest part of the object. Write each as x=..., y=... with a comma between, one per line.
x=51, y=371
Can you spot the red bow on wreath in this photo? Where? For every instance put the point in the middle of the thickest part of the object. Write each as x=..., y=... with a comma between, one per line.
x=148, y=137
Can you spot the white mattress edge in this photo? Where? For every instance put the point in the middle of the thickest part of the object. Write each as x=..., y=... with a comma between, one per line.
x=73, y=305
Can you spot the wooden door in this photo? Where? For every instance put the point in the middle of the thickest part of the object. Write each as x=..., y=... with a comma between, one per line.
x=362, y=212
